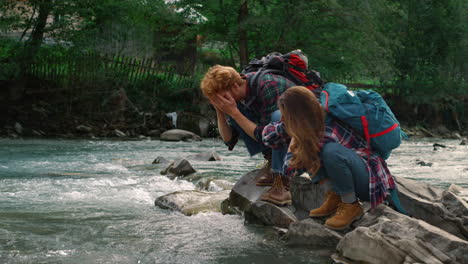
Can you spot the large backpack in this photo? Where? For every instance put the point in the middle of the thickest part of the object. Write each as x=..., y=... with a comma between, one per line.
x=367, y=113
x=293, y=66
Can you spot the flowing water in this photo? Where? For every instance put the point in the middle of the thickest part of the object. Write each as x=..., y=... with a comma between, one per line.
x=82, y=201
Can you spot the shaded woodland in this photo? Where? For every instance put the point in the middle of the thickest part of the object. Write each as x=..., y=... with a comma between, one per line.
x=121, y=64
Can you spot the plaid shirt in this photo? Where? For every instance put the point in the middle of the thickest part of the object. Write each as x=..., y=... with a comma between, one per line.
x=380, y=178
x=263, y=102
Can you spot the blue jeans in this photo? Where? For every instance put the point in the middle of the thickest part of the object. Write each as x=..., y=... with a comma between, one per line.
x=346, y=171
x=255, y=147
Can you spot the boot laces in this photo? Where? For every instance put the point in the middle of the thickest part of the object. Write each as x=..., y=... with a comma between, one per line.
x=341, y=209
x=277, y=182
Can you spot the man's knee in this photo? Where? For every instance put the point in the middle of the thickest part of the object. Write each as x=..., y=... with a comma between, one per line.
x=275, y=116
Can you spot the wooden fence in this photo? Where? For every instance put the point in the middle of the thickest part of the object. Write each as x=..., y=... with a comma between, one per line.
x=101, y=72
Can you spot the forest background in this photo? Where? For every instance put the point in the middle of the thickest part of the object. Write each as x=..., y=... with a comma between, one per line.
x=94, y=66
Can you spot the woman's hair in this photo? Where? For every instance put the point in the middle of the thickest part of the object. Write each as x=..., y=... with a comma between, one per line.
x=219, y=78
x=304, y=120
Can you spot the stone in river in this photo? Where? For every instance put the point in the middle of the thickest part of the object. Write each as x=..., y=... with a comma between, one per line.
x=192, y=202
x=179, y=135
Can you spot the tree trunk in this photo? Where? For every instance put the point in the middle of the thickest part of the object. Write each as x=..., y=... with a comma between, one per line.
x=243, y=51
x=44, y=7
x=37, y=34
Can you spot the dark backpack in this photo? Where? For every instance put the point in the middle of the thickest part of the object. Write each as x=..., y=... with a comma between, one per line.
x=292, y=66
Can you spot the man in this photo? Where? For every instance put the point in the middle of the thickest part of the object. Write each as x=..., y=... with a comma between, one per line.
x=243, y=112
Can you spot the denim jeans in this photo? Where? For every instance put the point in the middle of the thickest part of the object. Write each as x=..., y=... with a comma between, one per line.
x=346, y=171
x=254, y=147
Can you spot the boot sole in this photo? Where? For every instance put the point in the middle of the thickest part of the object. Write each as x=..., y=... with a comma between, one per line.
x=346, y=226
x=321, y=215
x=264, y=184
x=275, y=202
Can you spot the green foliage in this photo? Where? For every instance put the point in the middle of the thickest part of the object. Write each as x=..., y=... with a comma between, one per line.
x=416, y=50
x=9, y=68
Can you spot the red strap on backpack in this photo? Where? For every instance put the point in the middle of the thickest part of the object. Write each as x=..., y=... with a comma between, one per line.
x=365, y=127
x=298, y=69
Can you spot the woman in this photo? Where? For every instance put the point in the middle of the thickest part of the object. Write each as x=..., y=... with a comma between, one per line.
x=333, y=154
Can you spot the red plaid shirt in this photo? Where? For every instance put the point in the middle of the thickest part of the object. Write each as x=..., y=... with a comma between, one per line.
x=263, y=102
x=380, y=178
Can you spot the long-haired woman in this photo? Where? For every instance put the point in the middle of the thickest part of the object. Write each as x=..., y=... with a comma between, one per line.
x=333, y=154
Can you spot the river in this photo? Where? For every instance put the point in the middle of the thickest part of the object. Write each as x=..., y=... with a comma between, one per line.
x=88, y=201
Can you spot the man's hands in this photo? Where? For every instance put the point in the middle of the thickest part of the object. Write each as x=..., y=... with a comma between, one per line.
x=224, y=104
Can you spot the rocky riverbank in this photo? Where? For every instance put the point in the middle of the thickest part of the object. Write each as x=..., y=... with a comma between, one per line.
x=436, y=230
x=41, y=120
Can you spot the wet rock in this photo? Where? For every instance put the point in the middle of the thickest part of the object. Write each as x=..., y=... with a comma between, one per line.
x=18, y=128
x=245, y=192
x=423, y=163
x=311, y=233
x=83, y=129
x=179, y=135
x=385, y=236
x=270, y=214
x=226, y=208
x=245, y=197
x=305, y=195
x=214, y=185
x=165, y=167
x=464, y=142
x=161, y=160
x=179, y=168
x=438, y=146
x=438, y=207
x=192, y=202
x=205, y=156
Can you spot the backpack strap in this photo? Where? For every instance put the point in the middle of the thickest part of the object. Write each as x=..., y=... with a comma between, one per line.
x=254, y=82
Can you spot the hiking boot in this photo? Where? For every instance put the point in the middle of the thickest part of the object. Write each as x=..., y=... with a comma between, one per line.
x=345, y=215
x=328, y=207
x=278, y=194
x=267, y=178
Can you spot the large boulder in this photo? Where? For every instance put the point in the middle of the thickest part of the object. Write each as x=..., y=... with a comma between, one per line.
x=272, y=215
x=179, y=135
x=192, y=202
x=245, y=197
x=312, y=233
x=438, y=207
x=305, y=195
x=245, y=192
x=385, y=236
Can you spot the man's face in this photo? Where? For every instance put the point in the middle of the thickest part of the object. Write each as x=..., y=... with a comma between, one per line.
x=222, y=93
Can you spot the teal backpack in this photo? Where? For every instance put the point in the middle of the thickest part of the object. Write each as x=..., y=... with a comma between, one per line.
x=367, y=113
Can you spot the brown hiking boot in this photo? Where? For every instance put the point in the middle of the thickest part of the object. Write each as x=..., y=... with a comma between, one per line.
x=278, y=194
x=345, y=215
x=267, y=178
x=328, y=207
